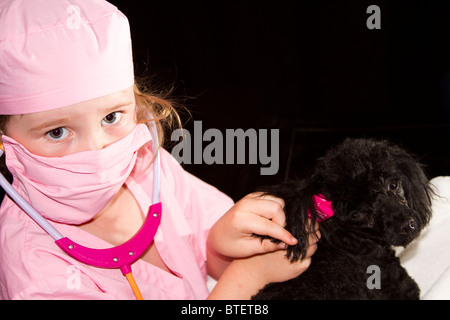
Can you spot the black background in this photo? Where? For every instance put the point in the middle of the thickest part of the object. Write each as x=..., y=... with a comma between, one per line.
x=309, y=68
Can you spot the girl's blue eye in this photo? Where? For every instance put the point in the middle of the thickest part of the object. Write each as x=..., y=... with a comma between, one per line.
x=111, y=118
x=58, y=134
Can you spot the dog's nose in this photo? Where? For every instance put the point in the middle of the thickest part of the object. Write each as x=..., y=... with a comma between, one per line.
x=410, y=225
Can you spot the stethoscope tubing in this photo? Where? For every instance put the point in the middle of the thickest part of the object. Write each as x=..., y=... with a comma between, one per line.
x=29, y=210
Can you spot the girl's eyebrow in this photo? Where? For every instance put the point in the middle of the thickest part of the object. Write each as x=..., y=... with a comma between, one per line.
x=54, y=123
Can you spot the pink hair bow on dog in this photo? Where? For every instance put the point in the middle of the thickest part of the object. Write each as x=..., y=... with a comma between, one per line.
x=323, y=207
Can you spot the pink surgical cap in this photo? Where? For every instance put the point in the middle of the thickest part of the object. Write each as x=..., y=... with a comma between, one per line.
x=55, y=53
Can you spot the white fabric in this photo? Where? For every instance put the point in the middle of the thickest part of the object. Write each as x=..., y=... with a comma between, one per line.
x=427, y=259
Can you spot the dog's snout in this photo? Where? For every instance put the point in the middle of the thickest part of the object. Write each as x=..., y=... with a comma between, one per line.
x=412, y=224
x=409, y=226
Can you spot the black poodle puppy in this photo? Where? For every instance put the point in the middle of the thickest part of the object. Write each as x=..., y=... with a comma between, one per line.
x=380, y=197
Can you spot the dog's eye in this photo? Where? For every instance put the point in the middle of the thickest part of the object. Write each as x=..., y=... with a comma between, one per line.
x=358, y=214
x=393, y=186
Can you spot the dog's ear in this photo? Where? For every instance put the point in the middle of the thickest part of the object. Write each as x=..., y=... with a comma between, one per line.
x=416, y=185
x=298, y=200
x=300, y=214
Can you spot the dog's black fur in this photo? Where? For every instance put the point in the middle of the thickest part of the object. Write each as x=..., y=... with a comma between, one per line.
x=381, y=198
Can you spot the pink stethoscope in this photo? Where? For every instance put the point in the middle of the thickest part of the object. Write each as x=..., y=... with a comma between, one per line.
x=122, y=256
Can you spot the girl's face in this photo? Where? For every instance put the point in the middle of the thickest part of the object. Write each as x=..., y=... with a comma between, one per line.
x=89, y=125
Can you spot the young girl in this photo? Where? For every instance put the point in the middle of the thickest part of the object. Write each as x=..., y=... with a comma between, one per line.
x=76, y=142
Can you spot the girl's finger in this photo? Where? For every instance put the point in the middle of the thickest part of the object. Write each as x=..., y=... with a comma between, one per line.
x=314, y=237
x=261, y=195
x=311, y=250
x=265, y=227
x=265, y=206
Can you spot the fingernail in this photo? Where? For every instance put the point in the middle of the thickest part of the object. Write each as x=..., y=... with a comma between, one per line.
x=282, y=245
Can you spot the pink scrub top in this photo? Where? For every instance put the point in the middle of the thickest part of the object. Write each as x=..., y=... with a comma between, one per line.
x=33, y=267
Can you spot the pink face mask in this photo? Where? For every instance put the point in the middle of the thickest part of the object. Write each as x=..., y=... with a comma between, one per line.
x=72, y=189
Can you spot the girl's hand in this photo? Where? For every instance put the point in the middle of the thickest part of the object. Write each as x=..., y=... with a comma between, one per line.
x=232, y=235
x=245, y=277
x=275, y=266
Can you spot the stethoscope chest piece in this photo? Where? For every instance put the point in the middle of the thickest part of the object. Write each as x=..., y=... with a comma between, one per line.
x=123, y=255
